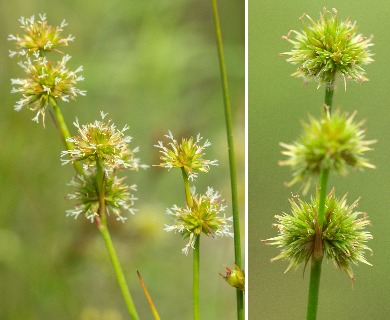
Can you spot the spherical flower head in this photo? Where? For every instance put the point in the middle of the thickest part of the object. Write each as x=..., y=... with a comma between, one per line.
x=205, y=216
x=327, y=48
x=46, y=82
x=187, y=155
x=342, y=238
x=38, y=36
x=101, y=142
x=335, y=142
x=235, y=277
x=118, y=196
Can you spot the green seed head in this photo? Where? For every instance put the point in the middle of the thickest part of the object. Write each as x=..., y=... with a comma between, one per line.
x=328, y=48
x=335, y=142
x=102, y=143
x=46, y=83
x=187, y=155
x=118, y=196
x=205, y=216
x=38, y=36
x=342, y=238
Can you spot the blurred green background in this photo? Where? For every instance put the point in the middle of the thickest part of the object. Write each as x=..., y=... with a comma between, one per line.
x=277, y=104
x=149, y=64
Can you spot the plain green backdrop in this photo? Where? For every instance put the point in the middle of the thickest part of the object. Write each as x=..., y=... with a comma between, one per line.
x=149, y=64
x=277, y=104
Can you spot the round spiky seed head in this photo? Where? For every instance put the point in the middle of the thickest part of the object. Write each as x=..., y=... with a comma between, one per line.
x=205, y=216
x=342, y=238
x=335, y=142
x=45, y=84
x=187, y=155
x=118, y=196
x=38, y=36
x=327, y=48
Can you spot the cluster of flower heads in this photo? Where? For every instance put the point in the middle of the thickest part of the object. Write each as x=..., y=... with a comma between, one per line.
x=187, y=155
x=102, y=145
x=342, y=238
x=204, y=213
x=335, y=142
x=46, y=81
x=203, y=217
x=328, y=47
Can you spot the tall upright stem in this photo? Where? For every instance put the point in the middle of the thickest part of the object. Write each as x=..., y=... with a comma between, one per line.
x=195, y=289
x=316, y=261
x=233, y=175
x=100, y=220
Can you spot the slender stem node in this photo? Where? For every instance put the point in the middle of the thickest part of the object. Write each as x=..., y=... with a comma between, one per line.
x=195, y=289
x=233, y=176
x=329, y=96
x=187, y=188
x=322, y=186
x=315, y=271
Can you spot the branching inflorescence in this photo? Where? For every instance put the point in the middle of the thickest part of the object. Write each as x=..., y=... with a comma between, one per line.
x=203, y=213
x=325, y=227
x=101, y=146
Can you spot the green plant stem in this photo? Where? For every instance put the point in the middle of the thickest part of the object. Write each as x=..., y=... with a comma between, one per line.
x=187, y=188
x=233, y=175
x=322, y=186
x=315, y=270
x=315, y=275
x=117, y=267
x=329, y=95
x=64, y=132
x=195, y=289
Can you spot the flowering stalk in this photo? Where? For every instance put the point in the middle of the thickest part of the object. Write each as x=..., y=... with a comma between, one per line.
x=102, y=226
x=105, y=152
x=232, y=164
x=100, y=151
x=187, y=188
x=203, y=212
x=326, y=227
x=316, y=260
x=195, y=279
x=196, y=250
